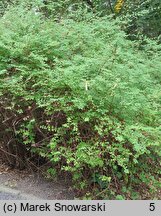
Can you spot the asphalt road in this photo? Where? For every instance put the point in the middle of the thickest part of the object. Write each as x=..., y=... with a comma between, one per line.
x=7, y=193
x=11, y=196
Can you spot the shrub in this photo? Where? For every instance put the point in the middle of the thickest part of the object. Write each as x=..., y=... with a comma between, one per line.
x=83, y=97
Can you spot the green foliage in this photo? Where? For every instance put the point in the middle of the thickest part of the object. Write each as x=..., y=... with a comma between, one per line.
x=142, y=17
x=86, y=98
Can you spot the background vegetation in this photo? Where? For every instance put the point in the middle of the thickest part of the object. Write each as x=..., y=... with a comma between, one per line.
x=80, y=86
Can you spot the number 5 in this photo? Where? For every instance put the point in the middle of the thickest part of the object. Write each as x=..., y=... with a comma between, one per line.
x=152, y=207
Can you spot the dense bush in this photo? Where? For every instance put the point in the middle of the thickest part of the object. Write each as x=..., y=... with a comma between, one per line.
x=85, y=98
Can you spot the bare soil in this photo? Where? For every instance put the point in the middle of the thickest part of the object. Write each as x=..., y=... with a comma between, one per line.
x=35, y=184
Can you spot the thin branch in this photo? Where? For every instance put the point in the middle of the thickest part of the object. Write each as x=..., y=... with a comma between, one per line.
x=110, y=5
x=90, y=3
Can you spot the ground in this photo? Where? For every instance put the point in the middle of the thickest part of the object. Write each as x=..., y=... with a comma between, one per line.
x=22, y=185
x=15, y=184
